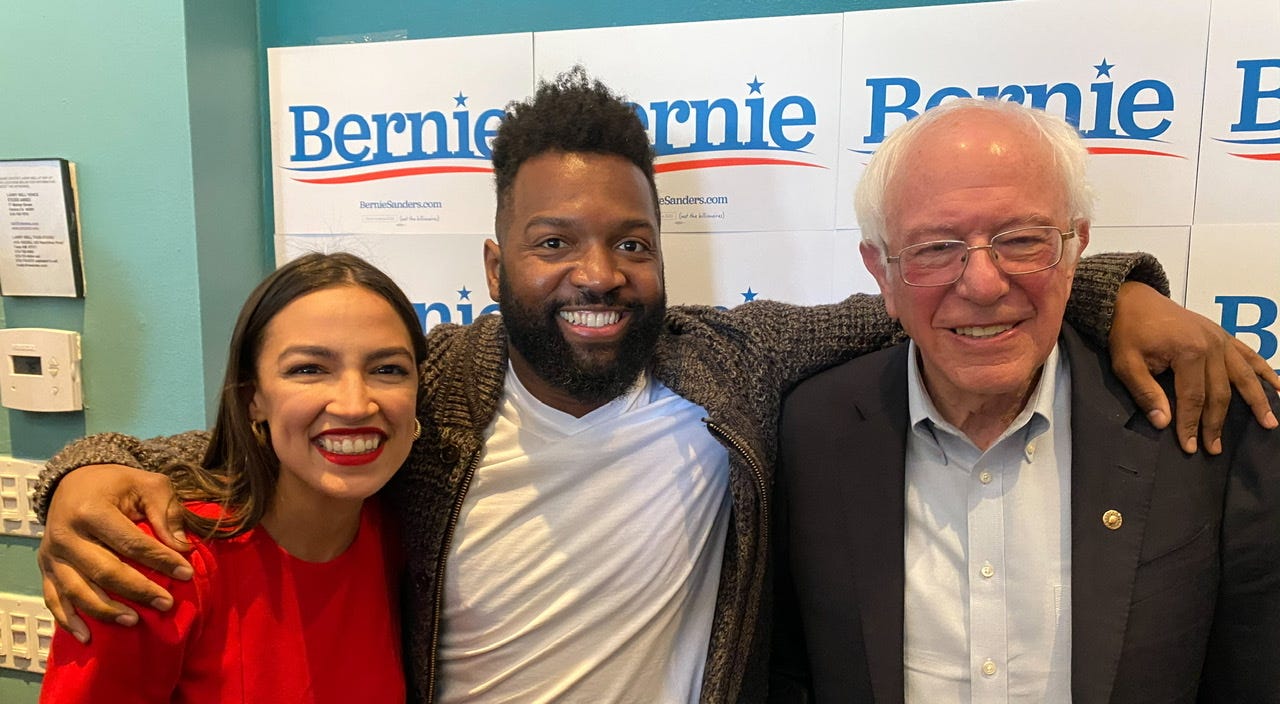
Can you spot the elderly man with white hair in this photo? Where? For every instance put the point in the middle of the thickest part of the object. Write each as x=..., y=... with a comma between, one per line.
x=982, y=514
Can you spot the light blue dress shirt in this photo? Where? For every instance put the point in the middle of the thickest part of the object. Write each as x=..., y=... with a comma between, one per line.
x=988, y=552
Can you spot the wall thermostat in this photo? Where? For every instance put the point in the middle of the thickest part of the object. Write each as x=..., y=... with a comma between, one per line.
x=40, y=369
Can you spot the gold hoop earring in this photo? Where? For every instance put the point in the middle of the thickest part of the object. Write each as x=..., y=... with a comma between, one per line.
x=417, y=428
x=259, y=430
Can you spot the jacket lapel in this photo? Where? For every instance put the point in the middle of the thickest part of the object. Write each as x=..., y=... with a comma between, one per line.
x=874, y=492
x=1112, y=469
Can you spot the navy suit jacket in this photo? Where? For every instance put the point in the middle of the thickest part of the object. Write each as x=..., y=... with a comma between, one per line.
x=1180, y=603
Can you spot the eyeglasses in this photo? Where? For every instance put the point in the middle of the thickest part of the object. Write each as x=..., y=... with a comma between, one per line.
x=1025, y=250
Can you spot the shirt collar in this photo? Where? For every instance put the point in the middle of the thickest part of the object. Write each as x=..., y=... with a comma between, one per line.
x=1036, y=416
x=638, y=393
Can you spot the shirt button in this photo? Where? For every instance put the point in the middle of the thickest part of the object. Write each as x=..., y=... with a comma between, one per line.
x=985, y=477
x=989, y=668
x=1031, y=451
x=988, y=571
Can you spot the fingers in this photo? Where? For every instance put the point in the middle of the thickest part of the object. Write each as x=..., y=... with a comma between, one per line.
x=165, y=514
x=63, y=614
x=80, y=595
x=86, y=569
x=1257, y=363
x=66, y=591
x=92, y=514
x=1189, y=381
x=1217, y=400
x=1246, y=367
x=1156, y=334
x=122, y=536
x=1225, y=362
x=1147, y=393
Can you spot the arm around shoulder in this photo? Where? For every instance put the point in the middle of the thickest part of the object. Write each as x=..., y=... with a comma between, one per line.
x=116, y=448
x=793, y=342
x=1097, y=284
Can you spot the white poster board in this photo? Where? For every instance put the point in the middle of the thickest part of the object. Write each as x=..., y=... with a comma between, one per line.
x=743, y=114
x=1133, y=89
x=391, y=137
x=1240, y=144
x=763, y=126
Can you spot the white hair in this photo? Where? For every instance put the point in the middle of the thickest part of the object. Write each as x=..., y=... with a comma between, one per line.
x=1070, y=157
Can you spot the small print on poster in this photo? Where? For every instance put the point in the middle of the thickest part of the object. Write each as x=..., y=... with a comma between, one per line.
x=39, y=229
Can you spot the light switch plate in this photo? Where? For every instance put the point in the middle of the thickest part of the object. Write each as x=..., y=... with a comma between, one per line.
x=17, y=480
x=26, y=630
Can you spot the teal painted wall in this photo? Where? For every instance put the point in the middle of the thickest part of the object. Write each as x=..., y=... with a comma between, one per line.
x=226, y=75
x=301, y=22
x=162, y=105
x=157, y=102
x=139, y=111
x=105, y=99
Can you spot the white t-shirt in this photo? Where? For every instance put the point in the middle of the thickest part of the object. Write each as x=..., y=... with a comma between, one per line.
x=587, y=555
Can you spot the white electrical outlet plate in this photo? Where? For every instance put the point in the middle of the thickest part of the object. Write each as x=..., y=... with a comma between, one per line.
x=17, y=480
x=26, y=629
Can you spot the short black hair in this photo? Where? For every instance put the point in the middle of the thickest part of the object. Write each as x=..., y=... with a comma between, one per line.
x=570, y=113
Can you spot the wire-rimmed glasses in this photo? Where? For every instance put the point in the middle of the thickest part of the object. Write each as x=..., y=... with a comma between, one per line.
x=1025, y=250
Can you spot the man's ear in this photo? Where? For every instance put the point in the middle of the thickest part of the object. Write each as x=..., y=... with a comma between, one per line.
x=1082, y=234
x=1081, y=228
x=874, y=261
x=492, y=266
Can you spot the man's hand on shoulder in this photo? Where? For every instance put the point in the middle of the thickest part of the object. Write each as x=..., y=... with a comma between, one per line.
x=92, y=519
x=1151, y=333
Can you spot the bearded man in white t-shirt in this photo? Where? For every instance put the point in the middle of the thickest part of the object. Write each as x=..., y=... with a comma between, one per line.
x=590, y=527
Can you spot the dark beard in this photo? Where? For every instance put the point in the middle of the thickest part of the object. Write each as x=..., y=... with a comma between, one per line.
x=535, y=334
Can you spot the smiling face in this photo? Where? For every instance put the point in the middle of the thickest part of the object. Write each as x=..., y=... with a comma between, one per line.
x=578, y=275
x=974, y=174
x=336, y=384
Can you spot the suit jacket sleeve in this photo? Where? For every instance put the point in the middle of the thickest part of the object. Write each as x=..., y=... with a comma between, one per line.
x=1244, y=645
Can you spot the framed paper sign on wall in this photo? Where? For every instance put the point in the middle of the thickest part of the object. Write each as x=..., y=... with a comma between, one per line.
x=40, y=251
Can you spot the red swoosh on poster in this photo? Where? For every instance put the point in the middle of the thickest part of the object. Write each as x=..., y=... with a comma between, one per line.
x=1260, y=157
x=1123, y=150
x=397, y=173
x=728, y=161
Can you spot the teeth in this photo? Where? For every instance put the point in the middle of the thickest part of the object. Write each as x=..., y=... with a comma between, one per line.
x=986, y=331
x=590, y=319
x=350, y=444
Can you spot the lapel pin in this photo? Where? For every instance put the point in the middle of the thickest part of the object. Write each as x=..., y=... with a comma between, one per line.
x=1112, y=519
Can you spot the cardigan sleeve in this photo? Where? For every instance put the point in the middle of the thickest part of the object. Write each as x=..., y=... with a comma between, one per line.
x=802, y=340
x=116, y=448
x=1097, y=283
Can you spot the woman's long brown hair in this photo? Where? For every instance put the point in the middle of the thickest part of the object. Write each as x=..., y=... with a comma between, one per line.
x=238, y=473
